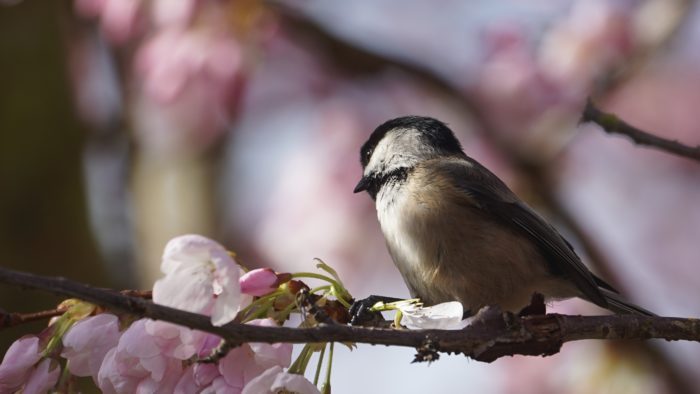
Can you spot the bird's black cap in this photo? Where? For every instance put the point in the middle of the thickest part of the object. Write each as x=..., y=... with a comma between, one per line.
x=435, y=132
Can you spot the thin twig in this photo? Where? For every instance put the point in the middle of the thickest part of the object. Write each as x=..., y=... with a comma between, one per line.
x=15, y=319
x=484, y=341
x=11, y=319
x=612, y=124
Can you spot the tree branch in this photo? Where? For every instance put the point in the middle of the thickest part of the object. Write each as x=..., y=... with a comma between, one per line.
x=16, y=319
x=487, y=340
x=611, y=124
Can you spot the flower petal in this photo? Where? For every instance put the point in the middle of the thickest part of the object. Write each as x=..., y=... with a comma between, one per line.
x=445, y=316
x=44, y=376
x=18, y=362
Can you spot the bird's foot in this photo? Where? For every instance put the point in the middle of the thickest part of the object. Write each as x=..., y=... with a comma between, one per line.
x=361, y=313
x=536, y=307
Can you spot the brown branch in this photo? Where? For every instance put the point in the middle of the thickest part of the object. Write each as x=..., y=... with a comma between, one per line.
x=15, y=319
x=487, y=340
x=611, y=124
x=11, y=319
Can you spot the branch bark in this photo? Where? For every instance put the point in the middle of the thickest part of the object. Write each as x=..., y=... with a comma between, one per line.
x=611, y=124
x=486, y=340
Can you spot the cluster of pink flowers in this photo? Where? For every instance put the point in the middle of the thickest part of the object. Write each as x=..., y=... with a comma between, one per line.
x=187, y=66
x=546, y=82
x=150, y=356
x=157, y=357
x=24, y=367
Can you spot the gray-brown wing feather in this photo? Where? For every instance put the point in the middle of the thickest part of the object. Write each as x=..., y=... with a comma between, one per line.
x=494, y=197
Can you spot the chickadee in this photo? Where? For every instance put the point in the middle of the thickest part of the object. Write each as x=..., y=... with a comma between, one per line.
x=456, y=232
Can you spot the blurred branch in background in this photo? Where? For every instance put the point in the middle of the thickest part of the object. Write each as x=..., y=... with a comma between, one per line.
x=612, y=124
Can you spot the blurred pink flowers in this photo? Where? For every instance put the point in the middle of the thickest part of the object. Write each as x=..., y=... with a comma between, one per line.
x=543, y=85
x=120, y=19
x=173, y=13
x=189, y=82
x=579, y=48
x=175, y=61
x=186, y=78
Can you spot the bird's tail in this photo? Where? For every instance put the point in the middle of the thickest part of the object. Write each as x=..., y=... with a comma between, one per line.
x=618, y=305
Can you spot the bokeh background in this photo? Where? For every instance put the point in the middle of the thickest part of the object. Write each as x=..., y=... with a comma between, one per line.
x=126, y=122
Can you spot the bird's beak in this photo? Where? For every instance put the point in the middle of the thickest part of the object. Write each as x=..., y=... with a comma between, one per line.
x=362, y=184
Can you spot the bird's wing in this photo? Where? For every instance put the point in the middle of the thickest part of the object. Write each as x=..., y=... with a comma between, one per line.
x=490, y=194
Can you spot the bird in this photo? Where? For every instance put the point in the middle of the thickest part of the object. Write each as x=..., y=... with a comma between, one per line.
x=456, y=232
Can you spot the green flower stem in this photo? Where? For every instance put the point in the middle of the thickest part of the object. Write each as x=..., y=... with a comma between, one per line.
x=341, y=299
x=309, y=353
x=264, y=302
x=320, y=288
x=397, y=318
x=300, y=364
x=337, y=288
x=296, y=365
x=314, y=275
x=318, y=366
x=326, y=388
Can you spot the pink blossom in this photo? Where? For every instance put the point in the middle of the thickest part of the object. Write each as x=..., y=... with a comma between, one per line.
x=258, y=282
x=244, y=363
x=200, y=277
x=237, y=368
x=138, y=365
x=187, y=384
x=43, y=377
x=89, y=8
x=276, y=380
x=595, y=35
x=175, y=341
x=18, y=363
x=119, y=19
x=197, y=378
x=271, y=354
x=175, y=60
x=191, y=80
x=168, y=12
x=88, y=341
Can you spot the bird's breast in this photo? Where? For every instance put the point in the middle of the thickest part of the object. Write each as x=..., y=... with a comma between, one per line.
x=412, y=230
x=448, y=249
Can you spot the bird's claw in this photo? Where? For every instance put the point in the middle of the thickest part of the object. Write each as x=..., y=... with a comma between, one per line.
x=361, y=313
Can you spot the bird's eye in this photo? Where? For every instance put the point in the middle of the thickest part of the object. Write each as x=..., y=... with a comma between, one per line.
x=368, y=154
